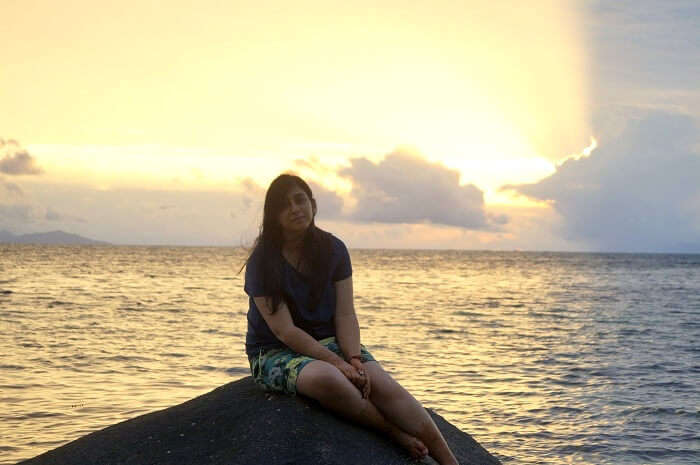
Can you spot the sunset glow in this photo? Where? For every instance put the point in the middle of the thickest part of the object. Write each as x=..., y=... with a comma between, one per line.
x=425, y=78
x=223, y=97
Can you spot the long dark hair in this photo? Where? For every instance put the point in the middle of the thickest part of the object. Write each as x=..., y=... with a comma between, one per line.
x=315, y=252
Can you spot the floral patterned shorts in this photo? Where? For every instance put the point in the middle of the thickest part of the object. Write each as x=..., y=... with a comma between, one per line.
x=278, y=369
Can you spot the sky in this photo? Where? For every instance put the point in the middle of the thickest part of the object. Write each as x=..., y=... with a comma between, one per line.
x=547, y=125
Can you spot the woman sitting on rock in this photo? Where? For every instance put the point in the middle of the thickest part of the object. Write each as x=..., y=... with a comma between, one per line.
x=303, y=335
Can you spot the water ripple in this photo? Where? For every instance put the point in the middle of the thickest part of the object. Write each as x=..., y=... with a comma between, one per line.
x=543, y=357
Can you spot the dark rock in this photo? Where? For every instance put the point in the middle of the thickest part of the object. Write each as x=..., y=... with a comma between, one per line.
x=240, y=424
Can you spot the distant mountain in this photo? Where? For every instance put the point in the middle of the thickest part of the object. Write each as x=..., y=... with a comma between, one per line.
x=6, y=236
x=51, y=237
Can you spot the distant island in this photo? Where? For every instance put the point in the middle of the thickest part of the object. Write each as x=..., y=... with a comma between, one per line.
x=51, y=237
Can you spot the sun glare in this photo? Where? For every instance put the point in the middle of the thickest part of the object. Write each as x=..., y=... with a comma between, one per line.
x=585, y=153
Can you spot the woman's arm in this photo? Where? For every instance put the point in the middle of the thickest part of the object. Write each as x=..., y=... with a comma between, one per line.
x=347, y=330
x=300, y=341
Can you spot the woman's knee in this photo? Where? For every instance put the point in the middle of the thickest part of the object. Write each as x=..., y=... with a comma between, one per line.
x=384, y=387
x=320, y=379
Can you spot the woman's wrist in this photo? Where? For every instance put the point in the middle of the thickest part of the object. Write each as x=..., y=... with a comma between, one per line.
x=337, y=361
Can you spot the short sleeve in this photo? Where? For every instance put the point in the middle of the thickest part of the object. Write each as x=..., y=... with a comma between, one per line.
x=253, y=275
x=343, y=267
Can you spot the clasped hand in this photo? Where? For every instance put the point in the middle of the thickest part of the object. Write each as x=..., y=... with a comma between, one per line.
x=356, y=373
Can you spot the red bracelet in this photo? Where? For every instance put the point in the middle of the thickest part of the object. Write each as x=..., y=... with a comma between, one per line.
x=359, y=357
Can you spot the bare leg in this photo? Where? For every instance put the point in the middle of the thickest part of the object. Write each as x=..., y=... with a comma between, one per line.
x=325, y=383
x=402, y=409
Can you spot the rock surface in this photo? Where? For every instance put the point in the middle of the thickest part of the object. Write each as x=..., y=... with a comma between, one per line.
x=240, y=424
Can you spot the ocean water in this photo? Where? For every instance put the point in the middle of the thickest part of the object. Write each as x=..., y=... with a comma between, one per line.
x=542, y=357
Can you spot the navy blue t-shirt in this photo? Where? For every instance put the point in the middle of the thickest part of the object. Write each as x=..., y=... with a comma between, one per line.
x=318, y=323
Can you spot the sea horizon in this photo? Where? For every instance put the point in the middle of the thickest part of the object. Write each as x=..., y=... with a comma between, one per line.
x=404, y=249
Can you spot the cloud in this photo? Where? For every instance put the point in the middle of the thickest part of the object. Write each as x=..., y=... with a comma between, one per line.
x=16, y=160
x=639, y=191
x=11, y=189
x=404, y=188
x=17, y=212
x=53, y=215
x=645, y=52
x=662, y=37
x=138, y=216
x=330, y=204
x=30, y=213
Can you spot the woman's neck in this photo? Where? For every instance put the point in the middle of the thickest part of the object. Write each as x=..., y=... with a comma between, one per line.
x=293, y=242
x=291, y=250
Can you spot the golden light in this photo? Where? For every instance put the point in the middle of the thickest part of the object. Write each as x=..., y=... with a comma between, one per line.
x=203, y=99
x=586, y=152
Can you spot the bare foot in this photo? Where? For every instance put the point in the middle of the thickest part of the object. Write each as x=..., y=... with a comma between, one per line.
x=413, y=445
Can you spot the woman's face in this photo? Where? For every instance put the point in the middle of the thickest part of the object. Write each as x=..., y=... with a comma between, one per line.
x=297, y=215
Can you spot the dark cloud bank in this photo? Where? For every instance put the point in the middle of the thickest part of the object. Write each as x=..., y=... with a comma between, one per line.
x=638, y=192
